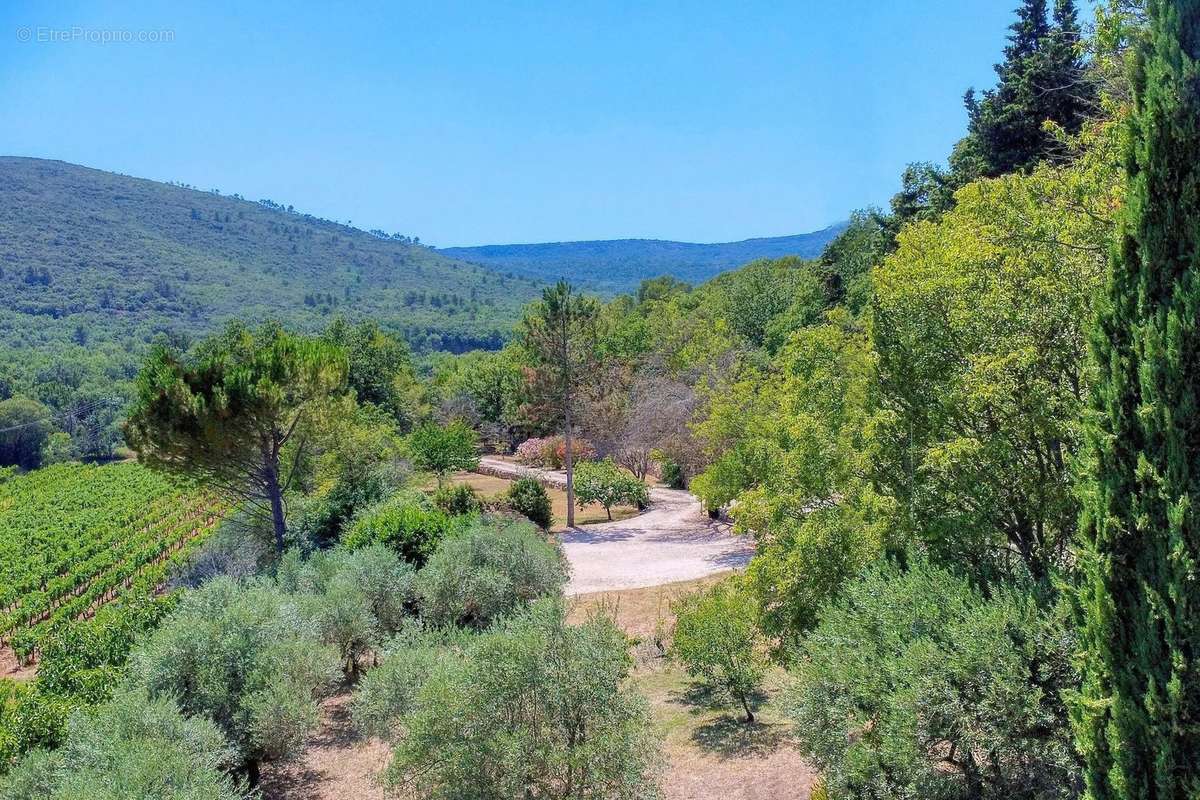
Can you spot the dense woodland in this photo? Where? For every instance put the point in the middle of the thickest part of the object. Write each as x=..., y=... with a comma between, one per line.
x=962, y=439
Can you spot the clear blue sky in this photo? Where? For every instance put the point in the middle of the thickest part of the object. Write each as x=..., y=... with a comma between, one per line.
x=491, y=122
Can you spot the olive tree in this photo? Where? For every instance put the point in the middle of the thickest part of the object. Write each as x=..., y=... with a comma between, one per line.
x=246, y=657
x=533, y=707
x=134, y=747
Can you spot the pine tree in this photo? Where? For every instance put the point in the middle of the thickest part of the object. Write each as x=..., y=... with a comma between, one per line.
x=1138, y=716
x=1041, y=78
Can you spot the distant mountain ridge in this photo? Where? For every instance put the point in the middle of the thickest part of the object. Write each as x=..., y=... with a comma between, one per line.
x=618, y=265
x=99, y=257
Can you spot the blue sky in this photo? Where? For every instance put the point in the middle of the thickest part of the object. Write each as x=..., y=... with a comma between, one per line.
x=490, y=122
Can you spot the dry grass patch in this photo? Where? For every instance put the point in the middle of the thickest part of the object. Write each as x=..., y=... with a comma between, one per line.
x=488, y=485
x=711, y=753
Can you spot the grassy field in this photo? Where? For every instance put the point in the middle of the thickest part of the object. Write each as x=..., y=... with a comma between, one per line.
x=488, y=485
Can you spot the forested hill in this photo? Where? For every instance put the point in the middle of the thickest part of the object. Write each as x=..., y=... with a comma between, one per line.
x=95, y=256
x=619, y=265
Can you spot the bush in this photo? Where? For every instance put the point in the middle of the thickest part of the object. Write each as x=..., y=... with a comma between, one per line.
x=353, y=599
x=961, y=695
x=532, y=708
x=245, y=657
x=550, y=452
x=407, y=523
x=672, y=474
x=581, y=450
x=79, y=666
x=529, y=498
x=535, y=452
x=457, y=499
x=135, y=747
x=605, y=483
x=488, y=570
x=717, y=639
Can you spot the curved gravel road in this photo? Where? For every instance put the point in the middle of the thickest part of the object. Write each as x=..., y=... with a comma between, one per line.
x=674, y=540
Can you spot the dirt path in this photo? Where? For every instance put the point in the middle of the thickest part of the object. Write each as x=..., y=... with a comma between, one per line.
x=673, y=541
x=337, y=763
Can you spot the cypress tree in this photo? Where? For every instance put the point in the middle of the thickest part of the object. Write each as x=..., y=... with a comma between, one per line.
x=1138, y=716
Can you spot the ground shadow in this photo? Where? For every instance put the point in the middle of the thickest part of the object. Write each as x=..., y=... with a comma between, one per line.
x=729, y=735
x=733, y=737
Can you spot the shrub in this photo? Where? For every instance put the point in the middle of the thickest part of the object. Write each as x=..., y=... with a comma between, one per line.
x=457, y=499
x=245, y=657
x=79, y=666
x=532, y=708
x=550, y=452
x=353, y=599
x=581, y=450
x=672, y=474
x=529, y=498
x=717, y=639
x=135, y=747
x=488, y=570
x=535, y=452
x=605, y=483
x=407, y=523
x=961, y=695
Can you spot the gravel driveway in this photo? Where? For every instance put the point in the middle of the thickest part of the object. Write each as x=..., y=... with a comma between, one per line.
x=674, y=540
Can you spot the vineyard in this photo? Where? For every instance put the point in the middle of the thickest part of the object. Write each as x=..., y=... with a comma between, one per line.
x=73, y=537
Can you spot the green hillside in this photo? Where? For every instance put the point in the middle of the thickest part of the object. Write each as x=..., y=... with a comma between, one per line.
x=101, y=257
x=619, y=265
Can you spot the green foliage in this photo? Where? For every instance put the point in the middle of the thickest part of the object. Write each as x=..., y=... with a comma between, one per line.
x=134, y=747
x=533, y=707
x=128, y=259
x=717, y=638
x=560, y=336
x=979, y=323
x=529, y=498
x=605, y=483
x=73, y=536
x=492, y=568
x=444, y=449
x=380, y=369
x=80, y=665
x=457, y=499
x=406, y=522
x=1042, y=80
x=354, y=599
x=226, y=413
x=1135, y=717
x=246, y=657
x=672, y=473
x=24, y=430
x=915, y=685
x=766, y=300
x=797, y=445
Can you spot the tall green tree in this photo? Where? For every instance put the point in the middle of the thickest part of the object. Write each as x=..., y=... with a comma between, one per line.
x=560, y=334
x=1042, y=78
x=233, y=413
x=1138, y=718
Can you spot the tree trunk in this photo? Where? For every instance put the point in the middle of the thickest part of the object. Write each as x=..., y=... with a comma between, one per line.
x=252, y=772
x=568, y=461
x=608, y=510
x=746, y=705
x=275, y=497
